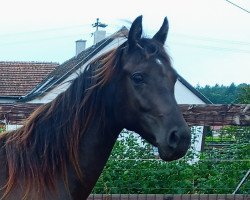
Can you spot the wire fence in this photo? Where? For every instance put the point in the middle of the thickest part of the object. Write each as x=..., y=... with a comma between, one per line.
x=196, y=173
x=168, y=197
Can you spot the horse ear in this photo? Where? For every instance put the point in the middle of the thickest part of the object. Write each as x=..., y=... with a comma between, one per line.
x=135, y=32
x=161, y=35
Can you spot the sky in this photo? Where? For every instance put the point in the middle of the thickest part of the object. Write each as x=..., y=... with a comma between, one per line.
x=208, y=40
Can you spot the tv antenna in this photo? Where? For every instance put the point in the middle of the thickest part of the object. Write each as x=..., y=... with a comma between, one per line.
x=98, y=24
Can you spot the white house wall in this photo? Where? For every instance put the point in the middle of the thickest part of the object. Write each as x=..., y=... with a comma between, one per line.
x=184, y=96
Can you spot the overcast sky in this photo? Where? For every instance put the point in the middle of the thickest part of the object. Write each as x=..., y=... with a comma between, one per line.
x=209, y=40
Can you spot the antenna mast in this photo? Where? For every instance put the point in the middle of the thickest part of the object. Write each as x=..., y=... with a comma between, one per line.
x=98, y=24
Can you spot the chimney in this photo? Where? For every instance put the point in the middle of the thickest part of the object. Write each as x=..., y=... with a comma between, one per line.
x=80, y=46
x=99, y=35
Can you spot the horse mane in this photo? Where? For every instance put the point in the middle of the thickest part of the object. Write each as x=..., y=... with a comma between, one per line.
x=41, y=151
x=43, y=148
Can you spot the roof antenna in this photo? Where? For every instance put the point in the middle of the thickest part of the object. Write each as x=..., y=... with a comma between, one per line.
x=99, y=24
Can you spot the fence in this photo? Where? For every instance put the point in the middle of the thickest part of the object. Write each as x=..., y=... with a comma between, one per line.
x=206, y=115
x=135, y=172
x=169, y=197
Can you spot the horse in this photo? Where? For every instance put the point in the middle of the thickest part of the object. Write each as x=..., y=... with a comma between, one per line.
x=62, y=148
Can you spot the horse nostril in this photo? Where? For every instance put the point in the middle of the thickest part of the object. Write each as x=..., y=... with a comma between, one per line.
x=173, y=139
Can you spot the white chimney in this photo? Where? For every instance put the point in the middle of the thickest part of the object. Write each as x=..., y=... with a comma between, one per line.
x=99, y=35
x=80, y=46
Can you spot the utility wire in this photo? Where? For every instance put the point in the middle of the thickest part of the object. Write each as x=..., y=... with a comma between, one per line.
x=201, y=46
x=209, y=47
x=48, y=38
x=238, y=6
x=49, y=30
x=211, y=39
x=43, y=30
x=42, y=39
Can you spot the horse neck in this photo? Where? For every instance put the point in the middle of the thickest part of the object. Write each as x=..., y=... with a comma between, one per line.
x=95, y=148
x=96, y=144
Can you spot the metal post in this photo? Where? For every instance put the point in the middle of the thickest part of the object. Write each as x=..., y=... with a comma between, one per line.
x=242, y=181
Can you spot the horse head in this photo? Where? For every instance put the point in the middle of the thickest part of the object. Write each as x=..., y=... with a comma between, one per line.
x=146, y=85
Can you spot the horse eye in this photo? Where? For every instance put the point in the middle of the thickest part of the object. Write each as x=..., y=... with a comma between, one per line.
x=137, y=78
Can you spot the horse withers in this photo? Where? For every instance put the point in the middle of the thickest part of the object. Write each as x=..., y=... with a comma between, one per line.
x=61, y=150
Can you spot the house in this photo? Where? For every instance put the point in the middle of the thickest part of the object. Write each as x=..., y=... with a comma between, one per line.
x=59, y=79
x=18, y=79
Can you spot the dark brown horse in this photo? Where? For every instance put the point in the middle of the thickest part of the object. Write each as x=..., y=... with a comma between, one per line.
x=63, y=147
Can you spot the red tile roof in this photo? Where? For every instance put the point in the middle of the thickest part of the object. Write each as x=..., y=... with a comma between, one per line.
x=19, y=78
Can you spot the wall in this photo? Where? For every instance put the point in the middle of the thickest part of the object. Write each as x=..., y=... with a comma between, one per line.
x=184, y=96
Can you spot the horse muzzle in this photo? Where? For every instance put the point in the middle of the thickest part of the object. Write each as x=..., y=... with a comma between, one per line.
x=175, y=145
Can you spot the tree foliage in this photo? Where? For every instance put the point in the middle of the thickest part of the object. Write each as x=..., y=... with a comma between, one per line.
x=220, y=94
x=244, y=95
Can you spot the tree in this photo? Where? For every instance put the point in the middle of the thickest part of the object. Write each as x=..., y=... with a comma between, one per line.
x=220, y=94
x=243, y=95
